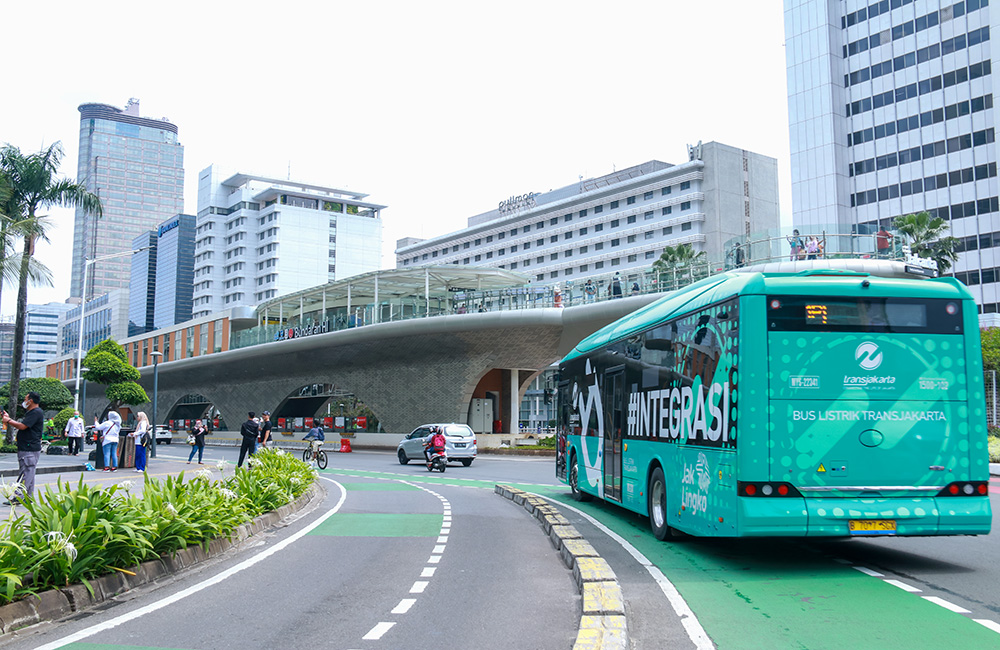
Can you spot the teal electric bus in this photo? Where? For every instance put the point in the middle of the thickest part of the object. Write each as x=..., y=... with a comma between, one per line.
x=820, y=403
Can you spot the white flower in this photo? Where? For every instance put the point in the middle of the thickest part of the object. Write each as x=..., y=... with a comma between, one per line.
x=55, y=536
x=204, y=473
x=295, y=480
x=221, y=465
x=127, y=484
x=11, y=490
x=70, y=551
x=229, y=494
x=169, y=507
x=252, y=462
x=279, y=451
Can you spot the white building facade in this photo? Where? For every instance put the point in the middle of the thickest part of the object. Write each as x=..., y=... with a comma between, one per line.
x=891, y=112
x=617, y=222
x=257, y=238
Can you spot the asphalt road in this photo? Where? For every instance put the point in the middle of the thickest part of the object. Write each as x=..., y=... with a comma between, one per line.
x=500, y=585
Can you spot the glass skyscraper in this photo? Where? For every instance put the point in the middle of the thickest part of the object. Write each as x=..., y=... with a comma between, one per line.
x=174, y=271
x=142, y=286
x=136, y=165
x=891, y=112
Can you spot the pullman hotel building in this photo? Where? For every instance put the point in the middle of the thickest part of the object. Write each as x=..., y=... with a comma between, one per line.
x=891, y=112
x=617, y=222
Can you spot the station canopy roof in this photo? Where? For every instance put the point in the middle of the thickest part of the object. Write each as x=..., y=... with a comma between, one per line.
x=417, y=282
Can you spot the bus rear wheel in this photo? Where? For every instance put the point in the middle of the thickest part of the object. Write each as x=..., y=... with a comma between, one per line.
x=574, y=481
x=658, y=506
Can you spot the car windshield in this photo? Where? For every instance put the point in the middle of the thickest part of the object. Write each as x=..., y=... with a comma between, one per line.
x=458, y=430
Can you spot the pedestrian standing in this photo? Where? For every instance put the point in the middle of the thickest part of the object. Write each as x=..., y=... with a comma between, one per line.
x=197, y=432
x=109, y=430
x=141, y=436
x=265, y=429
x=616, y=286
x=29, y=442
x=74, y=434
x=249, y=430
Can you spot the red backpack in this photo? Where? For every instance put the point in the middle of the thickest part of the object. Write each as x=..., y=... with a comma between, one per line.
x=438, y=441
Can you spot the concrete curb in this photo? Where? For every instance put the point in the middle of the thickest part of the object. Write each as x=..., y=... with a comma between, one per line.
x=57, y=603
x=602, y=622
x=51, y=469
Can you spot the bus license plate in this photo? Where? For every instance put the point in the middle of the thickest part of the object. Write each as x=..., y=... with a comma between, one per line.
x=872, y=526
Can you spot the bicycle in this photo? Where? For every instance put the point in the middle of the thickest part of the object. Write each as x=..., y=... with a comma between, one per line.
x=309, y=455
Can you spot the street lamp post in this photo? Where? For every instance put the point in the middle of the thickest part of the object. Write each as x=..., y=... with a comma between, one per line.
x=156, y=376
x=84, y=399
x=83, y=314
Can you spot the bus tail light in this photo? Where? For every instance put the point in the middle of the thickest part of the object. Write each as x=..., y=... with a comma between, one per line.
x=965, y=489
x=765, y=489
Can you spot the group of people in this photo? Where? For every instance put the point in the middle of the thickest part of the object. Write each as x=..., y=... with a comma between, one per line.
x=110, y=436
x=256, y=432
x=810, y=249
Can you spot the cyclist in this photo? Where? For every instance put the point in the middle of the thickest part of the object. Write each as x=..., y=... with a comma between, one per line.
x=315, y=438
x=435, y=443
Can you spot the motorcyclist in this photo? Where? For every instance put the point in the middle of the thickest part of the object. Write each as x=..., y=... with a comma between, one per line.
x=435, y=443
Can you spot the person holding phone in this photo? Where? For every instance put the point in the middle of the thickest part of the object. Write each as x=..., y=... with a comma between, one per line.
x=29, y=441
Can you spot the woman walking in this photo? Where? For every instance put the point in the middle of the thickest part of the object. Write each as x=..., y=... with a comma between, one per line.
x=141, y=435
x=109, y=439
x=198, y=432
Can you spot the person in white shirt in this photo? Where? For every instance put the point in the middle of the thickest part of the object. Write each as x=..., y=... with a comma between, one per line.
x=109, y=430
x=74, y=434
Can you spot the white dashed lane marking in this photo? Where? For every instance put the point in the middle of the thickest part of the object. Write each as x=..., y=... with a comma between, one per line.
x=377, y=632
x=903, y=586
x=403, y=606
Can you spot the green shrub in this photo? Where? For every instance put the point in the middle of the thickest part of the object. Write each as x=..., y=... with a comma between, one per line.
x=994, y=445
x=73, y=534
x=8, y=449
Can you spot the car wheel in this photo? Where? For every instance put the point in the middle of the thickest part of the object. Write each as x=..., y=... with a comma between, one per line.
x=466, y=461
x=402, y=457
x=574, y=480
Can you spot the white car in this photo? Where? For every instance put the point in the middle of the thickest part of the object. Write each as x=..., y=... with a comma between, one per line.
x=461, y=443
x=163, y=435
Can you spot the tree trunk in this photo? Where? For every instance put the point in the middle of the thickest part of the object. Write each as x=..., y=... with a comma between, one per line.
x=19, y=325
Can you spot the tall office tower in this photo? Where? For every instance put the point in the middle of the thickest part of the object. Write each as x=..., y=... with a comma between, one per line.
x=174, y=271
x=136, y=166
x=259, y=237
x=6, y=351
x=142, y=284
x=890, y=107
x=41, y=333
x=616, y=222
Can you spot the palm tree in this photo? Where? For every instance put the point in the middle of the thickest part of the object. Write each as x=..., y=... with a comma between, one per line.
x=33, y=186
x=927, y=238
x=680, y=260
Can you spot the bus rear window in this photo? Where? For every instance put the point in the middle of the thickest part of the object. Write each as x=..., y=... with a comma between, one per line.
x=824, y=314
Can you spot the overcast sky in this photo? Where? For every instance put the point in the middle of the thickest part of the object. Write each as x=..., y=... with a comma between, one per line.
x=437, y=109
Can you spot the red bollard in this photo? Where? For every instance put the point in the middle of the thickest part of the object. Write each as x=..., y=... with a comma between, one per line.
x=345, y=445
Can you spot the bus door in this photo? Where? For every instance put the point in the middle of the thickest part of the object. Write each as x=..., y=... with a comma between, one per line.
x=614, y=402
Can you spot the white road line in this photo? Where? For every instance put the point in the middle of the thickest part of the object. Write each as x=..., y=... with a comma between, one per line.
x=985, y=622
x=214, y=580
x=944, y=603
x=434, y=559
x=419, y=586
x=903, y=586
x=438, y=549
x=403, y=606
x=377, y=632
x=690, y=622
x=868, y=572
x=443, y=540
x=428, y=572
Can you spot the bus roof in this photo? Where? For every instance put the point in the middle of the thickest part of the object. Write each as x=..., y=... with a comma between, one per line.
x=814, y=282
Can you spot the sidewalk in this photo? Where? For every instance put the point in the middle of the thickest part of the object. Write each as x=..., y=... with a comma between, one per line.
x=994, y=469
x=46, y=464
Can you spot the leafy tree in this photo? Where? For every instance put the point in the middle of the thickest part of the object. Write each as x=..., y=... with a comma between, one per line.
x=31, y=185
x=61, y=418
x=681, y=262
x=107, y=364
x=54, y=395
x=927, y=238
x=990, y=337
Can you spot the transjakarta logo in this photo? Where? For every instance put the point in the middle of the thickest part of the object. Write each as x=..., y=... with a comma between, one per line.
x=868, y=356
x=680, y=413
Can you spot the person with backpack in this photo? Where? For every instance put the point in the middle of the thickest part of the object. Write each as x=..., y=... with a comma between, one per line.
x=109, y=430
x=435, y=443
x=142, y=437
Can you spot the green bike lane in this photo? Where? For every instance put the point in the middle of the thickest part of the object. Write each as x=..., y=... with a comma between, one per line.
x=751, y=594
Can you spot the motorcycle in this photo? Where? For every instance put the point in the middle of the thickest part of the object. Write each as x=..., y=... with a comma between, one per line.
x=438, y=461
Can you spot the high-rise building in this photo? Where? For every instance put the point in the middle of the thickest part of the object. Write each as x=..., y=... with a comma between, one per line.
x=136, y=165
x=616, y=222
x=41, y=333
x=142, y=284
x=891, y=112
x=174, y=271
x=107, y=317
x=6, y=350
x=258, y=238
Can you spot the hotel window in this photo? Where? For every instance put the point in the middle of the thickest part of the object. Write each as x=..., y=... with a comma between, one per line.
x=501, y=235
x=478, y=257
x=583, y=268
x=568, y=235
x=217, y=344
x=203, y=348
x=190, y=342
x=598, y=209
x=145, y=352
x=615, y=242
x=668, y=230
x=686, y=205
x=665, y=191
x=179, y=344
x=554, y=221
x=465, y=261
x=583, y=231
x=583, y=213
x=686, y=185
x=648, y=215
x=598, y=265
x=614, y=204
x=686, y=225
x=598, y=227
x=616, y=262
x=540, y=242
x=599, y=246
x=632, y=258
x=489, y=255
x=615, y=223
x=631, y=239
x=166, y=347
x=553, y=257
x=648, y=196
x=489, y=238
x=649, y=255
x=538, y=226
x=540, y=260
x=630, y=200
x=478, y=242
x=648, y=235
x=568, y=217
x=667, y=210
x=631, y=219
x=553, y=239
x=583, y=249
x=526, y=245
